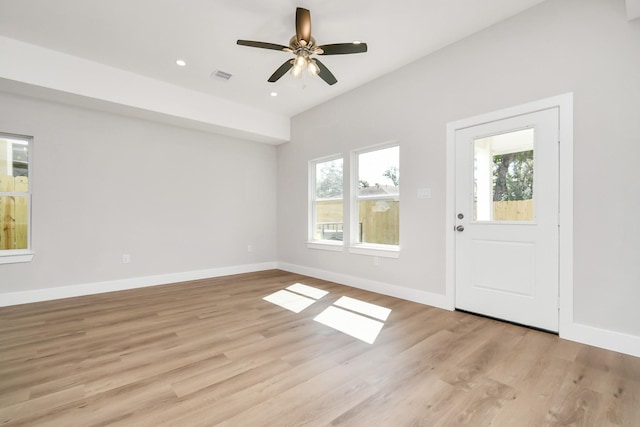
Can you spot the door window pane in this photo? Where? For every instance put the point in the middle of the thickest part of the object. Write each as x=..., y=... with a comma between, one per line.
x=504, y=177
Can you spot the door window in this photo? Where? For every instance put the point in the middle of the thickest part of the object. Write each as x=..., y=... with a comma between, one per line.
x=503, y=178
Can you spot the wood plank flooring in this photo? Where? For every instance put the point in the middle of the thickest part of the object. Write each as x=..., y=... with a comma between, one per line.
x=213, y=352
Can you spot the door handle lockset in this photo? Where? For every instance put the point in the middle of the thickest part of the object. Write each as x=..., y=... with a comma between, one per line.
x=460, y=228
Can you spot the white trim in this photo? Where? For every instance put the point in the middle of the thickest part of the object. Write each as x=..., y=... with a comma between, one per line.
x=565, y=105
x=36, y=295
x=415, y=295
x=384, y=251
x=603, y=338
x=565, y=215
x=312, y=198
x=11, y=256
x=16, y=258
x=354, y=183
x=326, y=245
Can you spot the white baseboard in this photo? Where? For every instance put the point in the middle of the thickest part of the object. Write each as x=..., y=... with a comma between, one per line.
x=610, y=340
x=597, y=337
x=603, y=338
x=36, y=295
x=415, y=295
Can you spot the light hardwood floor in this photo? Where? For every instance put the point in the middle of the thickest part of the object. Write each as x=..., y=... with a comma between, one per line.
x=213, y=352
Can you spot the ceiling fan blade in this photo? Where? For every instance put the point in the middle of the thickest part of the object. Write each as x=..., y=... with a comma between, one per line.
x=303, y=26
x=343, y=48
x=325, y=74
x=281, y=71
x=263, y=45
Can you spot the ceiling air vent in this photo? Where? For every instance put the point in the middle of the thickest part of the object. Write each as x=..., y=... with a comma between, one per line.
x=220, y=75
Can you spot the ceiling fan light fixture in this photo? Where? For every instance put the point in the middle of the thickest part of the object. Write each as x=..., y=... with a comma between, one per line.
x=313, y=67
x=300, y=62
x=297, y=72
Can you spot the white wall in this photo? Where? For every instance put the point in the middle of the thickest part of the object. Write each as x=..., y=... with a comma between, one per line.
x=176, y=200
x=582, y=46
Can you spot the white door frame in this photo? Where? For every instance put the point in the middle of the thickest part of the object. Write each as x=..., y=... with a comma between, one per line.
x=565, y=280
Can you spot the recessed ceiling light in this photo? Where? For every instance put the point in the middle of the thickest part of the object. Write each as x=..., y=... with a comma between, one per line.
x=274, y=94
x=181, y=62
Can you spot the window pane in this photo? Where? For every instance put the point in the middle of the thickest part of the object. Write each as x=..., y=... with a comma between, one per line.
x=20, y=152
x=14, y=220
x=378, y=197
x=9, y=184
x=379, y=172
x=329, y=179
x=329, y=222
x=503, y=177
x=327, y=205
x=14, y=183
x=14, y=162
x=379, y=222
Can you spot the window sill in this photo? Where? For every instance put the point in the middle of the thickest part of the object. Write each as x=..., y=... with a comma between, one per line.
x=376, y=250
x=16, y=258
x=326, y=245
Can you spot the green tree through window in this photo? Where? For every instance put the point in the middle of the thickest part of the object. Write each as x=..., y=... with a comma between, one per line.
x=513, y=176
x=329, y=180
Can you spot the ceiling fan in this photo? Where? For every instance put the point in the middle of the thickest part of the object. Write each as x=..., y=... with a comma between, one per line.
x=302, y=45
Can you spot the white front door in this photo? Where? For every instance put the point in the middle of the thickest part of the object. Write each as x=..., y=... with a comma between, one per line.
x=506, y=245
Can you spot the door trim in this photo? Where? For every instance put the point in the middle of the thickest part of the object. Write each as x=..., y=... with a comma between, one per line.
x=564, y=103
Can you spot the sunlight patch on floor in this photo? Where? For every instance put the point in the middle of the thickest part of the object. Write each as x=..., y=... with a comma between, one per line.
x=306, y=290
x=366, y=308
x=360, y=327
x=296, y=297
x=289, y=300
x=359, y=319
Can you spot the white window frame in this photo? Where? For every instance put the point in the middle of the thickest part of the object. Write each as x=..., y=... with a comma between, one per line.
x=10, y=256
x=312, y=242
x=361, y=248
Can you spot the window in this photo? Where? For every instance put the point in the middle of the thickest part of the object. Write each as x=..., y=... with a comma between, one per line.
x=326, y=222
x=15, y=199
x=375, y=210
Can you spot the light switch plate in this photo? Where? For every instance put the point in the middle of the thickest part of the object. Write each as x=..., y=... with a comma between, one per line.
x=424, y=193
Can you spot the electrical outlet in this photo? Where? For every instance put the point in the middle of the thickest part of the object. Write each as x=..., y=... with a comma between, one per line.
x=376, y=260
x=249, y=248
x=126, y=258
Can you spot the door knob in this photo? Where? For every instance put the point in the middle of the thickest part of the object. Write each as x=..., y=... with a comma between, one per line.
x=460, y=228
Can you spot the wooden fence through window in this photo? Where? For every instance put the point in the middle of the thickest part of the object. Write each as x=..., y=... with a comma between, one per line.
x=380, y=218
x=14, y=213
x=513, y=210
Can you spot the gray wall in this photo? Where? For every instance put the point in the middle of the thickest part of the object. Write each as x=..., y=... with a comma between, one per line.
x=176, y=200
x=582, y=46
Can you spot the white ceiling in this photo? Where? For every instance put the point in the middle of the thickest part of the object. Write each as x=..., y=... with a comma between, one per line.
x=145, y=37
